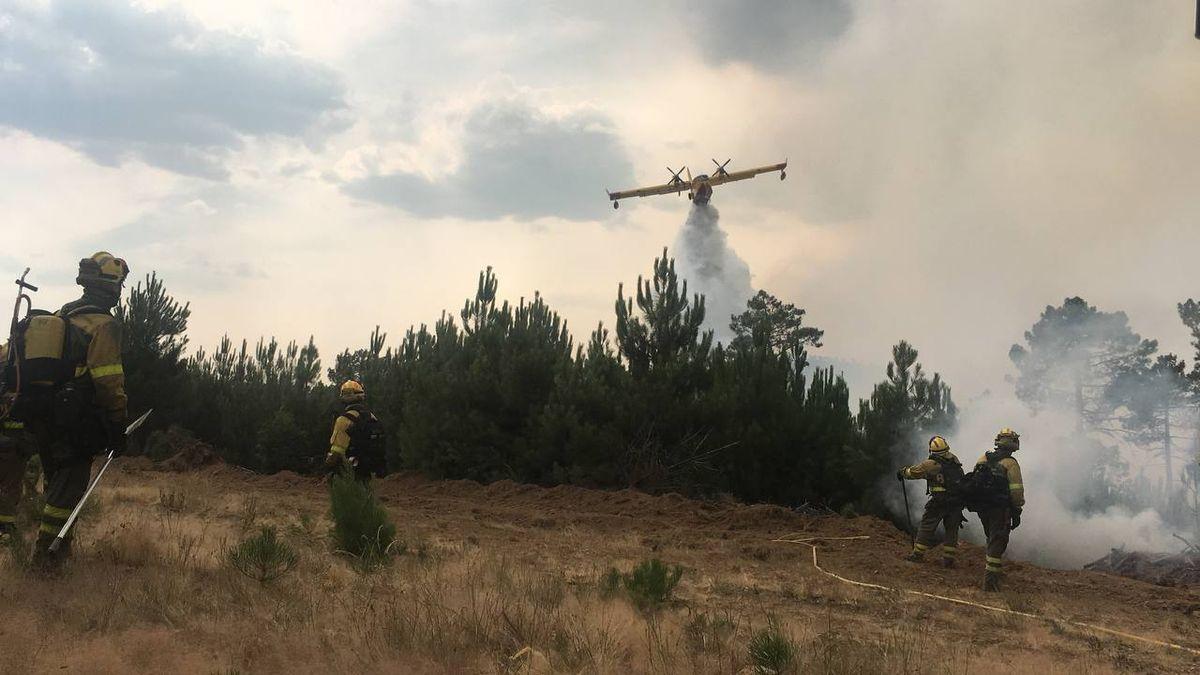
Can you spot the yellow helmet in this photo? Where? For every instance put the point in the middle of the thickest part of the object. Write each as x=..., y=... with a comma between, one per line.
x=938, y=444
x=1008, y=439
x=351, y=391
x=102, y=271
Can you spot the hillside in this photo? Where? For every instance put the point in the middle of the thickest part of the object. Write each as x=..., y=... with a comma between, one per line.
x=490, y=570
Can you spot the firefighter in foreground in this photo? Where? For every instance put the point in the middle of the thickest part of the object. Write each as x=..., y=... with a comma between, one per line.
x=1003, y=514
x=357, y=437
x=77, y=415
x=941, y=472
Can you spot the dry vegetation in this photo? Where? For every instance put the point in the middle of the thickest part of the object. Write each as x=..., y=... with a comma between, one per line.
x=506, y=579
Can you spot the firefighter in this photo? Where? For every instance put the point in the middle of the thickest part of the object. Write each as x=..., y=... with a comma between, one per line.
x=89, y=411
x=941, y=471
x=1004, y=513
x=357, y=436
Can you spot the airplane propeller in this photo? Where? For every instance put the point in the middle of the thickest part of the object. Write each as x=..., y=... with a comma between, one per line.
x=675, y=175
x=721, y=168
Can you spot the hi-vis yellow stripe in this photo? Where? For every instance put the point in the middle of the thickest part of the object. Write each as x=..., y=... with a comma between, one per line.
x=937, y=489
x=107, y=371
x=80, y=371
x=55, y=512
x=1016, y=486
x=48, y=528
x=337, y=450
x=7, y=519
x=995, y=561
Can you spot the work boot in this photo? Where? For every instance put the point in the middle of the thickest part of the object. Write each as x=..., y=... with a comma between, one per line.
x=915, y=556
x=991, y=582
x=948, y=563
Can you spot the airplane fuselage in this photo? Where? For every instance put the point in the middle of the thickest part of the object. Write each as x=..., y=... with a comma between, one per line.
x=701, y=190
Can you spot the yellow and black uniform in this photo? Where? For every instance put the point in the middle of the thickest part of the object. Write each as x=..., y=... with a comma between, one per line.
x=67, y=446
x=999, y=520
x=940, y=508
x=348, y=442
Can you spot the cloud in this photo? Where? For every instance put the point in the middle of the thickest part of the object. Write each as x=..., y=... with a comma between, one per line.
x=517, y=161
x=120, y=83
x=769, y=34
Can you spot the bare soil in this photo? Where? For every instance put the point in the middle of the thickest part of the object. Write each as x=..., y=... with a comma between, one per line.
x=504, y=578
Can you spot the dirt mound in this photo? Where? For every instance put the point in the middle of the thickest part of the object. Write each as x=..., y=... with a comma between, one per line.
x=1178, y=569
x=183, y=450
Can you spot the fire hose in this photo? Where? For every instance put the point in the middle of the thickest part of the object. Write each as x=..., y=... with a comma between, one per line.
x=959, y=601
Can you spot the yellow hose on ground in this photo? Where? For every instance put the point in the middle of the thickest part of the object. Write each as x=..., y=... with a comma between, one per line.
x=960, y=601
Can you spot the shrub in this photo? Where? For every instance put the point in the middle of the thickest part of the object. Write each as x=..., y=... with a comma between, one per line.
x=263, y=557
x=771, y=651
x=651, y=583
x=361, y=526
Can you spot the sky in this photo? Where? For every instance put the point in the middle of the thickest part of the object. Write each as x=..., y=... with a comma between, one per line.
x=318, y=168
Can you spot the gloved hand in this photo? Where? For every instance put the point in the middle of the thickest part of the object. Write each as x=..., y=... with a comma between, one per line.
x=900, y=474
x=1015, y=519
x=333, y=460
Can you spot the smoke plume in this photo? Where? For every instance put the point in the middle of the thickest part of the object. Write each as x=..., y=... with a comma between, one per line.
x=1056, y=468
x=712, y=268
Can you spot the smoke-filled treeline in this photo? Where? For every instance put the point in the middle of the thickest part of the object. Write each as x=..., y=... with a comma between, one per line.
x=1134, y=444
x=504, y=391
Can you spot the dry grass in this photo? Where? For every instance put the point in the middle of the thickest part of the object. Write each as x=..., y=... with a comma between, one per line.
x=150, y=590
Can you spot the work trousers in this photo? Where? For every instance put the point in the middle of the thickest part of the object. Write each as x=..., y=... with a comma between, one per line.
x=66, y=472
x=997, y=524
x=939, y=509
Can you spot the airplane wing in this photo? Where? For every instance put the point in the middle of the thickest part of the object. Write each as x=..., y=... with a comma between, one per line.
x=747, y=173
x=664, y=189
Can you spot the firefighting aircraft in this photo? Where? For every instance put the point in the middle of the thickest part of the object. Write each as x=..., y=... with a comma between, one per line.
x=698, y=189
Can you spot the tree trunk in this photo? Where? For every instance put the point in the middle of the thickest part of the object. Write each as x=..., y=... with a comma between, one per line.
x=1079, y=405
x=1167, y=451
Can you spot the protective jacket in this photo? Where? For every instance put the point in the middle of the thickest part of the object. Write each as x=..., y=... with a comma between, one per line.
x=931, y=469
x=1008, y=468
x=365, y=451
x=101, y=367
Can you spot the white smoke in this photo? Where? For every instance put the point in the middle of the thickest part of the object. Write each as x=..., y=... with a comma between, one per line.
x=1055, y=470
x=712, y=268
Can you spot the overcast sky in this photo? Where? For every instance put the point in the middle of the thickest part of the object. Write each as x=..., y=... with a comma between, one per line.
x=320, y=167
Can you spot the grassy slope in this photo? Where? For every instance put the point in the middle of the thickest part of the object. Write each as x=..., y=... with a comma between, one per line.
x=491, y=570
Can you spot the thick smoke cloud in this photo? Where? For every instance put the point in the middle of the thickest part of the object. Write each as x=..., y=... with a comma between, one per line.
x=1055, y=464
x=117, y=82
x=984, y=159
x=771, y=34
x=713, y=268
